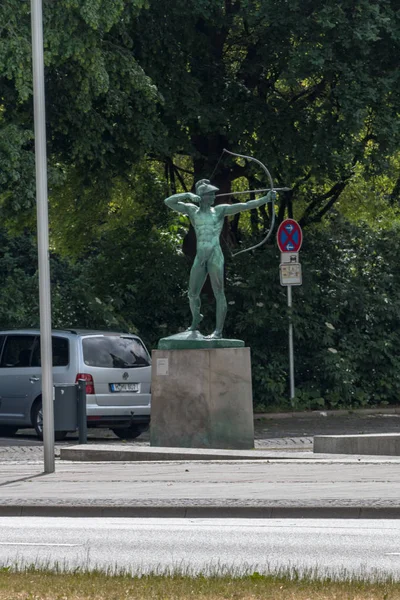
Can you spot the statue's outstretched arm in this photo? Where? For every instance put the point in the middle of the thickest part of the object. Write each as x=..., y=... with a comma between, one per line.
x=176, y=202
x=233, y=209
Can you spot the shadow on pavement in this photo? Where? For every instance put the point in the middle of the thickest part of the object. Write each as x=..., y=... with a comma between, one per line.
x=28, y=478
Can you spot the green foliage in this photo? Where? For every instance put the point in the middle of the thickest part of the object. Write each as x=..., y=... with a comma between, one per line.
x=74, y=303
x=80, y=215
x=139, y=95
x=371, y=199
x=308, y=87
x=101, y=107
x=19, y=302
x=358, y=292
x=345, y=317
x=17, y=166
x=141, y=273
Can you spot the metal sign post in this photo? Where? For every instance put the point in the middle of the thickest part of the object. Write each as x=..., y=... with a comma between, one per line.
x=43, y=235
x=290, y=238
x=291, y=355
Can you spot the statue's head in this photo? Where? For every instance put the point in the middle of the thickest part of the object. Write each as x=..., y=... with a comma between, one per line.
x=206, y=191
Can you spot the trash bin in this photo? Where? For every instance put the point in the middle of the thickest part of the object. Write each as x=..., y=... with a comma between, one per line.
x=65, y=407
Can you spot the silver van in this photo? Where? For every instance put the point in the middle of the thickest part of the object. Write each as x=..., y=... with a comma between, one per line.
x=116, y=367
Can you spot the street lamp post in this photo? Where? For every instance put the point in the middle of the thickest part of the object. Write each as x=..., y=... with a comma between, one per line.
x=43, y=234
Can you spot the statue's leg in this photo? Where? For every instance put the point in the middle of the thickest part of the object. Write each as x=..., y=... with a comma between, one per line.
x=216, y=272
x=197, y=278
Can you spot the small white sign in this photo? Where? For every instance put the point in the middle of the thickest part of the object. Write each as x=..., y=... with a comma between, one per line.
x=162, y=366
x=291, y=274
x=289, y=257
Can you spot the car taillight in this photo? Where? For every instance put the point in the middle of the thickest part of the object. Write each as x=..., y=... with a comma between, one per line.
x=89, y=382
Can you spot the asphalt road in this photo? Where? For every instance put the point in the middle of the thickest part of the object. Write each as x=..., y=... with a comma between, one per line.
x=339, y=548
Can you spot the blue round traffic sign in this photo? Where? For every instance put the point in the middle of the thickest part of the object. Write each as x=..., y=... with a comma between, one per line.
x=289, y=236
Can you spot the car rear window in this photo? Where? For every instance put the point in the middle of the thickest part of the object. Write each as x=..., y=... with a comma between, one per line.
x=117, y=352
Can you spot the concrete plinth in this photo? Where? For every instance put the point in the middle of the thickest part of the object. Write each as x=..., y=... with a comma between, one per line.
x=202, y=399
x=380, y=444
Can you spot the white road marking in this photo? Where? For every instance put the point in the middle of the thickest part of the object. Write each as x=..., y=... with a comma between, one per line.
x=37, y=544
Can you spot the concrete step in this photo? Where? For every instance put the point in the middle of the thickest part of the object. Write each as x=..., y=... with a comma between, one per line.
x=381, y=444
x=118, y=452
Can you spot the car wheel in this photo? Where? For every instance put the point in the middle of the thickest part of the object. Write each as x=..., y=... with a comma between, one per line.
x=37, y=422
x=37, y=419
x=129, y=433
x=8, y=430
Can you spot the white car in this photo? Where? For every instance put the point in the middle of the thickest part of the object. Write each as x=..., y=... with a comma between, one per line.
x=116, y=367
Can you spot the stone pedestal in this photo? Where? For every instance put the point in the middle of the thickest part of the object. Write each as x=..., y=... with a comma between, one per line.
x=202, y=399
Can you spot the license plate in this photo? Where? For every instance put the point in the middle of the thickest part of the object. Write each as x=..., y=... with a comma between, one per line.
x=124, y=387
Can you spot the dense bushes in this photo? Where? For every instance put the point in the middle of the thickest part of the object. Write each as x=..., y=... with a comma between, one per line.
x=346, y=319
x=74, y=301
x=346, y=314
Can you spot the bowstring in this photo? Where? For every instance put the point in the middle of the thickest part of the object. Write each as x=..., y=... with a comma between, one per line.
x=217, y=165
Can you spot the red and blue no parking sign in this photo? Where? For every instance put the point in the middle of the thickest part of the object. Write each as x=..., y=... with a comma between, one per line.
x=289, y=236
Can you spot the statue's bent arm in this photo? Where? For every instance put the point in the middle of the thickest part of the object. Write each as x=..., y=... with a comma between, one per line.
x=233, y=209
x=176, y=203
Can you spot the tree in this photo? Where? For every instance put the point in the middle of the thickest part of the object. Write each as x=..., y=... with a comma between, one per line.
x=308, y=87
x=74, y=303
x=101, y=106
x=139, y=273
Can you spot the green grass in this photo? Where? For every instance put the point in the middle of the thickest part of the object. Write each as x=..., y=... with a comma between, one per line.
x=32, y=584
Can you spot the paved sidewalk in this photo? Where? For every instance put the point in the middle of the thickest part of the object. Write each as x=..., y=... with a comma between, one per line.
x=288, y=482
x=281, y=486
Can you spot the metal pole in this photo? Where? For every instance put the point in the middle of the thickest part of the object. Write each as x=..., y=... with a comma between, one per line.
x=82, y=417
x=43, y=235
x=291, y=355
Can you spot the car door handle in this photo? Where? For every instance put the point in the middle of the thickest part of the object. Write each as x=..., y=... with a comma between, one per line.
x=33, y=379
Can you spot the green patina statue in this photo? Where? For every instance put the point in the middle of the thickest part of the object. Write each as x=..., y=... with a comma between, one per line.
x=208, y=221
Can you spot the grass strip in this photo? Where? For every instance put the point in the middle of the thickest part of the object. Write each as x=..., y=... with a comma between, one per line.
x=46, y=585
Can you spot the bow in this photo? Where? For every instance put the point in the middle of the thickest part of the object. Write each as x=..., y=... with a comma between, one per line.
x=264, y=168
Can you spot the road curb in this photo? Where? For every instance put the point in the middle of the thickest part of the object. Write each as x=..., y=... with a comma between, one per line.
x=111, y=453
x=394, y=410
x=203, y=512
